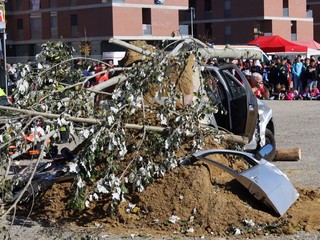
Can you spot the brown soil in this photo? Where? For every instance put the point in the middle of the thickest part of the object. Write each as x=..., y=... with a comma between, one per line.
x=205, y=198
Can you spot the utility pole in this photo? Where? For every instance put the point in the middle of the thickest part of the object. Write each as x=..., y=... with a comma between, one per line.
x=3, y=55
x=192, y=16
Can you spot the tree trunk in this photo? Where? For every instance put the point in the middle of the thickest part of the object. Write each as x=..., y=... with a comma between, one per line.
x=291, y=154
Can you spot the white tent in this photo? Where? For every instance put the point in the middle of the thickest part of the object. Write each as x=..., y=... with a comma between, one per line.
x=313, y=52
x=292, y=55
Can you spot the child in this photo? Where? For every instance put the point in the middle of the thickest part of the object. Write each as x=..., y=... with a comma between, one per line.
x=292, y=94
x=314, y=93
x=305, y=94
x=279, y=92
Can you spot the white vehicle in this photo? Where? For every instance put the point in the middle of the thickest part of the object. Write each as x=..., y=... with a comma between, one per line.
x=240, y=112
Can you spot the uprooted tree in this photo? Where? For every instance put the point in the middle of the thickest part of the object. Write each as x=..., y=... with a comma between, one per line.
x=127, y=137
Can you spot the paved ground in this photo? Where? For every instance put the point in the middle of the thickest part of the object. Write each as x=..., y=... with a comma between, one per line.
x=297, y=125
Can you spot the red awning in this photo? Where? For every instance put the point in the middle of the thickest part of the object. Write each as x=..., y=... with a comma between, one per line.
x=277, y=44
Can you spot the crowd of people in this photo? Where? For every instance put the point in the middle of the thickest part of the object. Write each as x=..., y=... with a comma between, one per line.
x=283, y=80
x=279, y=79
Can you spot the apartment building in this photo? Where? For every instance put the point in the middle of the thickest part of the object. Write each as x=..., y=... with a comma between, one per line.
x=33, y=22
x=238, y=22
x=314, y=7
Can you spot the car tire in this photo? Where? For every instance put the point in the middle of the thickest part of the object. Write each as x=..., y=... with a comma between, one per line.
x=270, y=140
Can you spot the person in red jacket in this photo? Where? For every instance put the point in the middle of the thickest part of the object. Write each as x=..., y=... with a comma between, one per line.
x=257, y=86
x=103, y=76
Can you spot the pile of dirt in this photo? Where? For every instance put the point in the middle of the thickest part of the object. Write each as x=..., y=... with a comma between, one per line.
x=195, y=200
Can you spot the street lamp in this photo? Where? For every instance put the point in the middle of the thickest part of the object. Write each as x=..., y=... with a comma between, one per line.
x=192, y=16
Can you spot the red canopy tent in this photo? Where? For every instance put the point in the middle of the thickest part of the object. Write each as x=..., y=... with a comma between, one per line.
x=270, y=44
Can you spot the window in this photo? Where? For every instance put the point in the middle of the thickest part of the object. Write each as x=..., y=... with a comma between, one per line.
x=208, y=9
x=74, y=25
x=213, y=87
x=74, y=20
x=293, y=26
x=208, y=29
x=146, y=21
x=309, y=12
x=293, y=30
x=36, y=26
x=227, y=34
x=285, y=7
x=35, y=5
x=53, y=22
x=54, y=25
x=19, y=4
x=257, y=31
x=208, y=5
x=53, y=3
x=146, y=16
x=20, y=24
x=236, y=89
x=227, y=8
x=20, y=28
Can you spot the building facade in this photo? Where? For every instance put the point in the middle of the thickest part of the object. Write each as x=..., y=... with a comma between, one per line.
x=31, y=23
x=238, y=22
x=314, y=7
